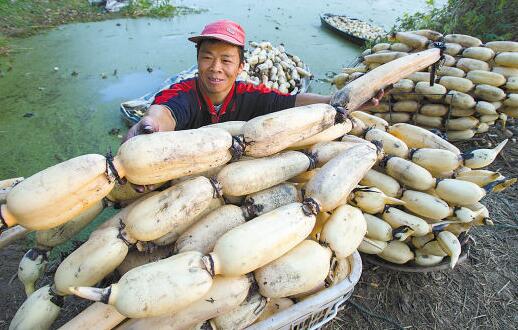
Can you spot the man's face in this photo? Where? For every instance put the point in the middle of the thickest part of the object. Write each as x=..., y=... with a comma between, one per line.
x=218, y=68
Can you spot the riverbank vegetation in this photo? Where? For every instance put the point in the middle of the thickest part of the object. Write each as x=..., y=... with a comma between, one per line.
x=485, y=19
x=22, y=18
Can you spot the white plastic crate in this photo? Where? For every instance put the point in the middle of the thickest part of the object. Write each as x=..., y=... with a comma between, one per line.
x=317, y=310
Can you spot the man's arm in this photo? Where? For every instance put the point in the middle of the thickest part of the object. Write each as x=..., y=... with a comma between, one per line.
x=161, y=115
x=157, y=119
x=311, y=98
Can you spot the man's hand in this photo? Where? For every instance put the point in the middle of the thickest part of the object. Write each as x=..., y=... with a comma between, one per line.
x=310, y=98
x=157, y=119
x=146, y=125
x=375, y=101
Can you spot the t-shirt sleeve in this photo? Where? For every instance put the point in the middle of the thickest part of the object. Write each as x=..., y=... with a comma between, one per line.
x=176, y=99
x=280, y=101
x=263, y=100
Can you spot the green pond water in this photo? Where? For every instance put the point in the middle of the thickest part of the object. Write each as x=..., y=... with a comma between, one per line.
x=60, y=94
x=68, y=115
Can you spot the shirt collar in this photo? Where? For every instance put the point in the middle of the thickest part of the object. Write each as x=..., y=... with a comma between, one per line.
x=216, y=114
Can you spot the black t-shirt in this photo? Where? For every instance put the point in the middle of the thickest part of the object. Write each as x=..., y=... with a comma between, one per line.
x=191, y=109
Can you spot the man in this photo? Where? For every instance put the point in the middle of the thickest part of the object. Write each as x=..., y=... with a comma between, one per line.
x=215, y=95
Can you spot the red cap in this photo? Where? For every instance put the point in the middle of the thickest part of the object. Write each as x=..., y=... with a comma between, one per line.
x=224, y=30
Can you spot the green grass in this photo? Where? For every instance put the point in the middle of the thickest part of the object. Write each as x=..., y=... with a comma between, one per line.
x=145, y=8
x=138, y=8
x=22, y=18
x=486, y=19
x=4, y=46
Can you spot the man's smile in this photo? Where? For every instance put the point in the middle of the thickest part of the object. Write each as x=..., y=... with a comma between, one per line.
x=215, y=80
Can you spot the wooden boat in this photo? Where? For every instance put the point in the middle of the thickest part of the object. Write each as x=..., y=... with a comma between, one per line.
x=352, y=29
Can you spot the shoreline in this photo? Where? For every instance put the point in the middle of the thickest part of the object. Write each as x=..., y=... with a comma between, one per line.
x=25, y=18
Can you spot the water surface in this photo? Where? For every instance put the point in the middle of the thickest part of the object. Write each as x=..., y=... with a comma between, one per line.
x=61, y=95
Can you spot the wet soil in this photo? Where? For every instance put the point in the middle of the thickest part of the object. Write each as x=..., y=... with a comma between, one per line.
x=480, y=293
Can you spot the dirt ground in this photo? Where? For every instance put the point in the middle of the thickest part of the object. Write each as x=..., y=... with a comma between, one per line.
x=480, y=293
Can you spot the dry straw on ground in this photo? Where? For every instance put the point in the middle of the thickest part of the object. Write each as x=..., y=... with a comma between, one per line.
x=480, y=293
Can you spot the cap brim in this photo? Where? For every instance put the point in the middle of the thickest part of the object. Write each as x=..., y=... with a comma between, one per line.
x=221, y=37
